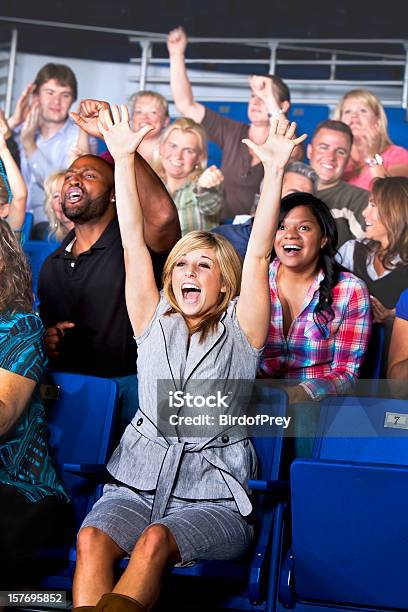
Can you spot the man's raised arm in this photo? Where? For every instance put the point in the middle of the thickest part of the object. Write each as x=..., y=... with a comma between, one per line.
x=161, y=222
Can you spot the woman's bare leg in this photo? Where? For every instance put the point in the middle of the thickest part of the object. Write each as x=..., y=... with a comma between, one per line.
x=94, y=572
x=142, y=578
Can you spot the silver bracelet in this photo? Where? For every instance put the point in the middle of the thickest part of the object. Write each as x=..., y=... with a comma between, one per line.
x=275, y=114
x=376, y=160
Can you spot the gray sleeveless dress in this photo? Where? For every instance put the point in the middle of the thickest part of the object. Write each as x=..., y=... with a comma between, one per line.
x=195, y=485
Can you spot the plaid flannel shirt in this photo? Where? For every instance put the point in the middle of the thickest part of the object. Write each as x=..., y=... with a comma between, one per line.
x=324, y=365
x=198, y=211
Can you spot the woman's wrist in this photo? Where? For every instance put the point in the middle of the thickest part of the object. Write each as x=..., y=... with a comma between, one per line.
x=374, y=160
x=275, y=113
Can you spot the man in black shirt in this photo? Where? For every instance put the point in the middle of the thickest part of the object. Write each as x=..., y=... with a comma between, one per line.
x=82, y=284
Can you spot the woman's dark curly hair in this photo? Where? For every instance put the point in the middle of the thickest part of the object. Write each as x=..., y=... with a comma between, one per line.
x=323, y=312
x=16, y=294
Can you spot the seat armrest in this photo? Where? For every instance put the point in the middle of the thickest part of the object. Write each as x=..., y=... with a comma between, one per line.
x=279, y=489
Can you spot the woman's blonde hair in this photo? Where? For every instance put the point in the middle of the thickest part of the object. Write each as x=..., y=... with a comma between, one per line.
x=57, y=228
x=229, y=263
x=16, y=294
x=186, y=126
x=390, y=195
x=375, y=106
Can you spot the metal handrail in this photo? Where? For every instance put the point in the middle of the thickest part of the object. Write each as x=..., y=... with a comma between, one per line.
x=337, y=56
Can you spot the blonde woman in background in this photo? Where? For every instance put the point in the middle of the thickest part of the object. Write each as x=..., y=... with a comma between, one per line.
x=59, y=224
x=373, y=155
x=181, y=163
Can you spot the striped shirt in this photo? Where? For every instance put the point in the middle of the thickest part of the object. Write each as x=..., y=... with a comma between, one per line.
x=323, y=365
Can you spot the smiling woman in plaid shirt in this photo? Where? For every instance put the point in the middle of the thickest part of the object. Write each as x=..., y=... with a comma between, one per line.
x=320, y=317
x=181, y=163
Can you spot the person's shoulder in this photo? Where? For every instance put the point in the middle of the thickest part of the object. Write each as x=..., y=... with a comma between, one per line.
x=343, y=189
x=25, y=323
x=212, y=116
x=354, y=190
x=352, y=283
x=395, y=153
x=237, y=229
x=59, y=248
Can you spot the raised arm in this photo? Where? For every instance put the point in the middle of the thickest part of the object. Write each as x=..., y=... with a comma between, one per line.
x=18, y=188
x=179, y=81
x=262, y=88
x=253, y=310
x=142, y=295
x=161, y=222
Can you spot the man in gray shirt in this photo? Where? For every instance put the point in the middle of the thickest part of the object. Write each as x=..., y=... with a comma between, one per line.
x=328, y=154
x=45, y=132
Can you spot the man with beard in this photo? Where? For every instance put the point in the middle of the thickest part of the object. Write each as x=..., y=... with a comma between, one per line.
x=82, y=284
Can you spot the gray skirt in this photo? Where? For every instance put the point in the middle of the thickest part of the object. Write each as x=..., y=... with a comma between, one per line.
x=204, y=529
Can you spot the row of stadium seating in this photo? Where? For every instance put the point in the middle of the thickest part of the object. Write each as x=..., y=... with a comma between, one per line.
x=332, y=539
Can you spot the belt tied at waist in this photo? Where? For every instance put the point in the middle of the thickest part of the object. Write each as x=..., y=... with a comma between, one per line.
x=168, y=476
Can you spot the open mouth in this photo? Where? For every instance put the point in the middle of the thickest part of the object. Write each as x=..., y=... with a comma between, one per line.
x=191, y=293
x=292, y=248
x=73, y=195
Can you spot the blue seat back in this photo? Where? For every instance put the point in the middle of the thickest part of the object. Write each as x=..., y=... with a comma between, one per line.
x=81, y=424
x=349, y=506
x=363, y=429
x=27, y=226
x=269, y=448
x=349, y=534
x=37, y=251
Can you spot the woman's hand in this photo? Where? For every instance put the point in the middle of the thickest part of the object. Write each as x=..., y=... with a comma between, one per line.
x=29, y=129
x=120, y=139
x=177, y=42
x=4, y=127
x=22, y=108
x=262, y=88
x=211, y=177
x=367, y=142
x=279, y=145
x=380, y=312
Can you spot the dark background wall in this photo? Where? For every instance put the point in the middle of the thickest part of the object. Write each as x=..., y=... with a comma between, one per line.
x=215, y=18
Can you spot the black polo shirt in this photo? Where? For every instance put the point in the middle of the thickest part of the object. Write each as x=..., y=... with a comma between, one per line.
x=90, y=291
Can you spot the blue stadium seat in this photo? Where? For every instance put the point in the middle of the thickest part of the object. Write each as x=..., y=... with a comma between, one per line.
x=27, y=226
x=349, y=508
x=307, y=117
x=81, y=413
x=37, y=251
x=397, y=126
